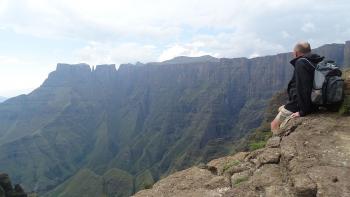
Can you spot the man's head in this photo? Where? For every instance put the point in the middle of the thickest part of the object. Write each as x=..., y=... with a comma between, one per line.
x=301, y=48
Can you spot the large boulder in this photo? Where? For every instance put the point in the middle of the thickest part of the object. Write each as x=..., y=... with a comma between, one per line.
x=224, y=163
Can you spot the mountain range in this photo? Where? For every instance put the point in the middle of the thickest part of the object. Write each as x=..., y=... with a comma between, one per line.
x=104, y=131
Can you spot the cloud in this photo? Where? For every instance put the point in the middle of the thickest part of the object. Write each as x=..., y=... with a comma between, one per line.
x=237, y=44
x=118, y=31
x=107, y=20
x=101, y=53
x=191, y=49
x=171, y=25
x=85, y=20
x=285, y=34
x=4, y=60
x=308, y=27
x=18, y=75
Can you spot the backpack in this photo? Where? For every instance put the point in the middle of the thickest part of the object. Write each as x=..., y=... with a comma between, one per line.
x=328, y=86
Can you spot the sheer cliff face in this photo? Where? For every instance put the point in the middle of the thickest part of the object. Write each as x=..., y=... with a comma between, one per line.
x=347, y=54
x=141, y=120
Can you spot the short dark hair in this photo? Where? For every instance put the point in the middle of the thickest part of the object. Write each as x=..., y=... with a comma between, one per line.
x=303, y=47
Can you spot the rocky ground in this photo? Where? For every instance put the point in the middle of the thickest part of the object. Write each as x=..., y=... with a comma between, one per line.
x=310, y=157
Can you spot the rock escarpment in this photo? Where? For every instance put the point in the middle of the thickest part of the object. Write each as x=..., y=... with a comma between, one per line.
x=144, y=120
x=347, y=54
x=310, y=157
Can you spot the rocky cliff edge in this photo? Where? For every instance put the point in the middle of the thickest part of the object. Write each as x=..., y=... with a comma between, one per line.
x=310, y=157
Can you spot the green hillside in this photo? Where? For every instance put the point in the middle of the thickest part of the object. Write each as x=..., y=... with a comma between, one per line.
x=86, y=183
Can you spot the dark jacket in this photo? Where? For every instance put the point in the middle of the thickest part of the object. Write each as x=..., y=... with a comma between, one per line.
x=300, y=86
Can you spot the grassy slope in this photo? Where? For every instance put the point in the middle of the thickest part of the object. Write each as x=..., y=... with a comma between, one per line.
x=86, y=183
x=257, y=139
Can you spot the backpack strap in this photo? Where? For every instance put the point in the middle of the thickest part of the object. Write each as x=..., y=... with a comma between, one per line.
x=309, y=62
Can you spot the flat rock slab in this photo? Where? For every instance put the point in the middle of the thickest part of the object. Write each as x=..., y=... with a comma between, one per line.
x=225, y=162
x=273, y=142
x=331, y=181
x=190, y=182
x=270, y=156
x=240, y=177
x=278, y=191
x=267, y=175
x=304, y=185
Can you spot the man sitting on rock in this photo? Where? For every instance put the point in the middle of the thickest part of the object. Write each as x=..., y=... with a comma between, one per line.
x=299, y=87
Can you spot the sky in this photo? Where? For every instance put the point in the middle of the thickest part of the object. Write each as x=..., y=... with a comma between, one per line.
x=35, y=35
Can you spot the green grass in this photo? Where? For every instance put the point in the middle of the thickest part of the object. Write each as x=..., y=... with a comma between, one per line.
x=148, y=186
x=230, y=164
x=241, y=180
x=85, y=183
x=257, y=145
x=114, y=182
x=144, y=181
x=259, y=138
x=345, y=107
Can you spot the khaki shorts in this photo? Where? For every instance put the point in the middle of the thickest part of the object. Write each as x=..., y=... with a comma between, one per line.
x=283, y=116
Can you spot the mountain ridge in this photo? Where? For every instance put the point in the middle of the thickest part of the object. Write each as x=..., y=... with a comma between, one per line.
x=147, y=120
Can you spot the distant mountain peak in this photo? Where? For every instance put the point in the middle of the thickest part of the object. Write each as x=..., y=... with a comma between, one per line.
x=105, y=67
x=186, y=59
x=70, y=67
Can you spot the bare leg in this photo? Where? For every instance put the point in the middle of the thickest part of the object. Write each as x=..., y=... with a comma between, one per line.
x=275, y=125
